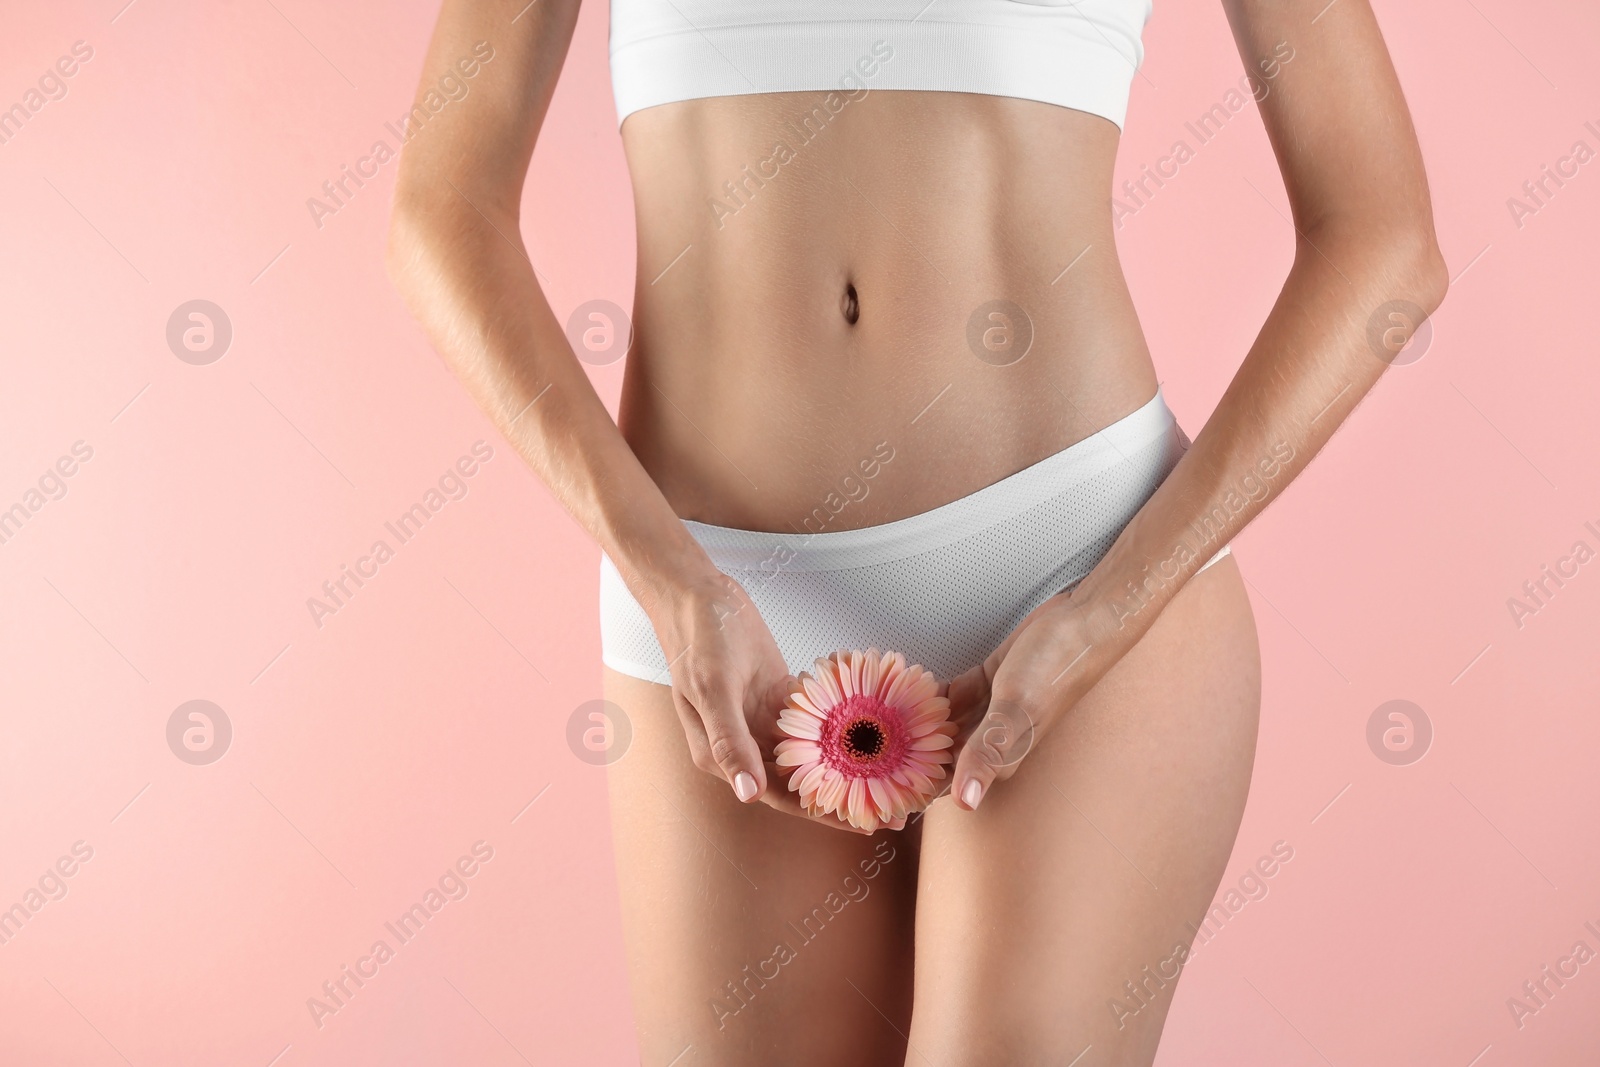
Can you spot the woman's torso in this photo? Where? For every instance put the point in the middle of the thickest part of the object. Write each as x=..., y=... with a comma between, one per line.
x=750, y=396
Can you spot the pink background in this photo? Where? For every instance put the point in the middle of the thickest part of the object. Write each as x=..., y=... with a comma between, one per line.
x=372, y=752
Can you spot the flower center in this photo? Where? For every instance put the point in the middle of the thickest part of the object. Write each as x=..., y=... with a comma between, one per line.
x=863, y=739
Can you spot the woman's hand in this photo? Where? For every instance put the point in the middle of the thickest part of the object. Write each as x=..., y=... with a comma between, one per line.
x=728, y=683
x=1014, y=697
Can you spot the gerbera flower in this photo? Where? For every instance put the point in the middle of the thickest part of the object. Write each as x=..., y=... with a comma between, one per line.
x=867, y=737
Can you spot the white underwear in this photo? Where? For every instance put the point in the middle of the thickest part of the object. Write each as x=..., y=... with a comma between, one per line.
x=944, y=587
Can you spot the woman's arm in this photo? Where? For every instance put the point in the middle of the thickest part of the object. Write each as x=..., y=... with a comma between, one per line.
x=1366, y=264
x=456, y=255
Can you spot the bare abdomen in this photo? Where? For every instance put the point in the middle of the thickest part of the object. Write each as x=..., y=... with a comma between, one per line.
x=926, y=289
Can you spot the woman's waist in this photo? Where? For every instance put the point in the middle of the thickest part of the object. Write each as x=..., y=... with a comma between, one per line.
x=899, y=453
x=934, y=193
x=750, y=391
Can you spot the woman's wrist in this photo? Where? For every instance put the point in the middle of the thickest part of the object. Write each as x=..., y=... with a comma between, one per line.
x=663, y=567
x=1123, y=593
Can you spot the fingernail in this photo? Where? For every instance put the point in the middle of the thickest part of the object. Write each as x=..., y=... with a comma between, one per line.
x=972, y=792
x=744, y=784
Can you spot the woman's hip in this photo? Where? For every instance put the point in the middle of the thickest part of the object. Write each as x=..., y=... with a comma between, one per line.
x=943, y=587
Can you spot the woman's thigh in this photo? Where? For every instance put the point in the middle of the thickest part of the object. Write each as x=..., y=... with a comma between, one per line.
x=1039, y=914
x=752, y=936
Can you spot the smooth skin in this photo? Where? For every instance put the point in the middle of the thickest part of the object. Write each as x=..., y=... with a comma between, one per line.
x=780, y=338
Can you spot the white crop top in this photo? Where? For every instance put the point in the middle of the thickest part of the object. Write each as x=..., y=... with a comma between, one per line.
x=1080, y=54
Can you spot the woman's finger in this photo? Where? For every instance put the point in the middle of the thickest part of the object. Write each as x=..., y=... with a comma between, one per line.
x=764, y=723
x=694, y=731
x=992, y=751
x=968, y=693
x=733, y=751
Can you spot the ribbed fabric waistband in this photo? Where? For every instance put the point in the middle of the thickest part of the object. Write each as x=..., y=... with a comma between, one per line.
x=746, y=550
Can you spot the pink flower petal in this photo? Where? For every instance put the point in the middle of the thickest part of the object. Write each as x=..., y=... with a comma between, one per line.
x=806, y=780
x=834, y=789
x=872, y=672
x=924, y=688
x=802, y=700
x=894, y=664
x=921, y=783
x=896, y=686
x=806, y=726
x=857, y=800
x=828, y=678
x=881, y=796
x=798, y=753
